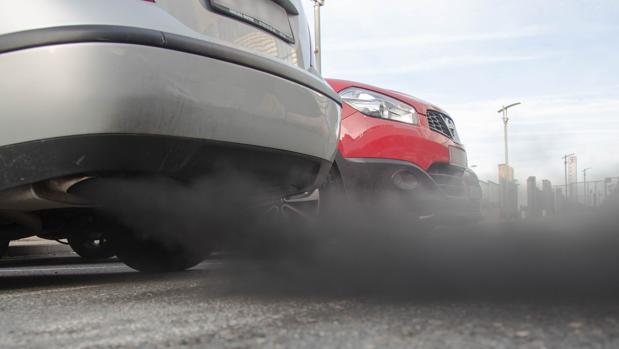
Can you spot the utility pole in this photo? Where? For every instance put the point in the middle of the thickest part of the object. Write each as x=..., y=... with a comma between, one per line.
x=565, y=157
x=505, y=122
x=584, y=175
x=317, y=35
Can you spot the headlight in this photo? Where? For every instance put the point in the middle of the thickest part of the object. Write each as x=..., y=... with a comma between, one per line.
x=378, y=105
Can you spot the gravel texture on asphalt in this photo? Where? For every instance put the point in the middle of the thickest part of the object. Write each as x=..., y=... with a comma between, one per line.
x=238, y=303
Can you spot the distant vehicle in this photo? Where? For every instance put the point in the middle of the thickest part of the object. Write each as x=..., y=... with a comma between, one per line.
x=395, y=145
x=95, y=89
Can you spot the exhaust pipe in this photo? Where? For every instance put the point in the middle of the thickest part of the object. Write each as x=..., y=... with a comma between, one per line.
x=50, y=194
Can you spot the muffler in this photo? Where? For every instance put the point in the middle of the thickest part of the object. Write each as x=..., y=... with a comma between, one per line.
x=49, y=194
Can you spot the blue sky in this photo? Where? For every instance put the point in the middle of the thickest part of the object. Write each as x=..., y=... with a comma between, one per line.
x=559, y=58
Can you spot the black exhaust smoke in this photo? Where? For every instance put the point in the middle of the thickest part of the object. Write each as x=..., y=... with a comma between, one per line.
x=363, y=249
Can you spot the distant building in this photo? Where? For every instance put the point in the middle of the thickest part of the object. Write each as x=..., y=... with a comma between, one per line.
x=548, y=198
x=490, y=192
x=534, y=202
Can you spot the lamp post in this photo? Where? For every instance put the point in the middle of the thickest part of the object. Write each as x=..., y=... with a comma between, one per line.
x=507, y=197
x=317, y=37
x=505, y=122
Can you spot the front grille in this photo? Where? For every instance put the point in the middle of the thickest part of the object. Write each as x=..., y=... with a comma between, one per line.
x=450, y=185
x=437, y=123
x=449, y=179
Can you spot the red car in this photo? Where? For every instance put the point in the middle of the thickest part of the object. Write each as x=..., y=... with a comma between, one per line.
x=391, y=142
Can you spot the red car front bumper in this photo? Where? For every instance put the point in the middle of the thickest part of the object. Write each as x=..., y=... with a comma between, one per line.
x=449, y=194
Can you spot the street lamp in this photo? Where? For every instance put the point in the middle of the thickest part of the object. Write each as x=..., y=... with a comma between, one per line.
x=505, y=121
x=317, y=38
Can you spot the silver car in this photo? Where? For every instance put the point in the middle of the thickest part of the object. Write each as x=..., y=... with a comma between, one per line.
x=93, y=89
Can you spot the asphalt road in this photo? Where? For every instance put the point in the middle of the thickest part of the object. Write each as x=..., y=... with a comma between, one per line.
x=241, y=303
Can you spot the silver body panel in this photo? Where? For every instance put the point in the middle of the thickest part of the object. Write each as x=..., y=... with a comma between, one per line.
x=21, y=15
x=79, y=89
x=191, y=18
x=89, y=88
x=61, y=89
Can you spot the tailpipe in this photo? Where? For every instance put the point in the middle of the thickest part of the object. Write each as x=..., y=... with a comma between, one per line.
x=50, y=194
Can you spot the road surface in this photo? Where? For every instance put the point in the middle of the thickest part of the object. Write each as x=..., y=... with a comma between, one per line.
x=242, y=303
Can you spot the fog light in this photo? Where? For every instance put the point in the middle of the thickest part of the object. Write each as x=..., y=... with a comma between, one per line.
x=405, y=180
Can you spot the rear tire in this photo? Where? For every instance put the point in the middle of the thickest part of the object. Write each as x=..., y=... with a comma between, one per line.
x=90, y=249
x=152, y=256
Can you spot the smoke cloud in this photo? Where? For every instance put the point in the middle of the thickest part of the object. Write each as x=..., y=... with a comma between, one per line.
x=369, y=249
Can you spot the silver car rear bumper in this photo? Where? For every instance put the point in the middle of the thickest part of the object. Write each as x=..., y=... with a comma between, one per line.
x=82, y=88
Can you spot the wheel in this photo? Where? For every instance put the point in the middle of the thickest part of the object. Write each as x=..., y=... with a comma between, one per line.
x=4, y=246
x=152, y=256
x=89, y=248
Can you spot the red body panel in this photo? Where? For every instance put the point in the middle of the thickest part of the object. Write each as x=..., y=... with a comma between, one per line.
x=368, y=137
